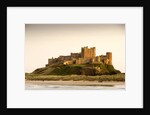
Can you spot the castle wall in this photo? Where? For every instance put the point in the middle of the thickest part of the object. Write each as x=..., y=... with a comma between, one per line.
x=75, y=55
x=103, y=58
x=61, y=58
x=82, y=61
x=68, y=62
x=87, y=55
x=50, y=61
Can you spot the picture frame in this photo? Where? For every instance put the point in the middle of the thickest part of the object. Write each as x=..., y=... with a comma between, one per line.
x=4, y=33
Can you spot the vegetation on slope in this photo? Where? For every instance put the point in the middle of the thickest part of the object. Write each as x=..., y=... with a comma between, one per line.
x=100, y=78
x=80, y=69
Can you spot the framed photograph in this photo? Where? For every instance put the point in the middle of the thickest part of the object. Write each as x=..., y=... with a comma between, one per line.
x=49, y=34
x=84, y=68
x=75, y=57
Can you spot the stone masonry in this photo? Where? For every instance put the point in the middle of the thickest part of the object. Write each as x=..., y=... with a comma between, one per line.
x=86, y=56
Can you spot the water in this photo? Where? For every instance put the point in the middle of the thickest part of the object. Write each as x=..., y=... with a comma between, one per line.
x=67, y=87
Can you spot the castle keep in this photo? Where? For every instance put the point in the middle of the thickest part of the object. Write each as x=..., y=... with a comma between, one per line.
x=86, y=56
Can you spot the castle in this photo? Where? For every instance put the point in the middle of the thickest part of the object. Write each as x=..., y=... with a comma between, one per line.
x=86, y=56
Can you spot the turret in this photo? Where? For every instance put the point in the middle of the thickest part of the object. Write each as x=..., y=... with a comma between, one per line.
x=109, y=57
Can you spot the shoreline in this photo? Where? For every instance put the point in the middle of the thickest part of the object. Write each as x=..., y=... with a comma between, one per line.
x=74, y=83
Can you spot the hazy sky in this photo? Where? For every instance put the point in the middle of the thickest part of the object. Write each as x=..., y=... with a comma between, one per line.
x=43, y=41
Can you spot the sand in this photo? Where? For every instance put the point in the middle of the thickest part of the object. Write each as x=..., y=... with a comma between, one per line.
x=74, y=83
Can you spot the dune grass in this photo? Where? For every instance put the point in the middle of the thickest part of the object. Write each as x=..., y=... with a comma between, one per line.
x=100, y=78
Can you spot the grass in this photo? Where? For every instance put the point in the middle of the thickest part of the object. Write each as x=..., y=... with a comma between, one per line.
x=78, y=65
x=100, y=78
x=77, y=69
x=66, y=70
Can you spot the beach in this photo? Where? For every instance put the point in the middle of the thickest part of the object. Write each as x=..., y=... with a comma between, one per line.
x=35, y=84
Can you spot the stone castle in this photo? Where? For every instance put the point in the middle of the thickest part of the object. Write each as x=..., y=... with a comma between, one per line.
x=86, y=56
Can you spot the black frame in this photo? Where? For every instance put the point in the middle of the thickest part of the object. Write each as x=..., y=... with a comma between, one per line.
x=44, y=3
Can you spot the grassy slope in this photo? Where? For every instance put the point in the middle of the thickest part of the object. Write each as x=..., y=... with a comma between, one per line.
x=83, y=69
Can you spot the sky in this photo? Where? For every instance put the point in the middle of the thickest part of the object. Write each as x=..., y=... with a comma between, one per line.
x=44, y=41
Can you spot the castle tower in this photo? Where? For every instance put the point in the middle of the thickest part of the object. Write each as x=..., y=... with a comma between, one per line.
x=83, y=51
x=93, y=52
x=109, y=57
x=88, y=52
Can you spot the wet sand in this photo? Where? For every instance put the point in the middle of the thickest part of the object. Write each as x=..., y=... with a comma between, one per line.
x=74, y=83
